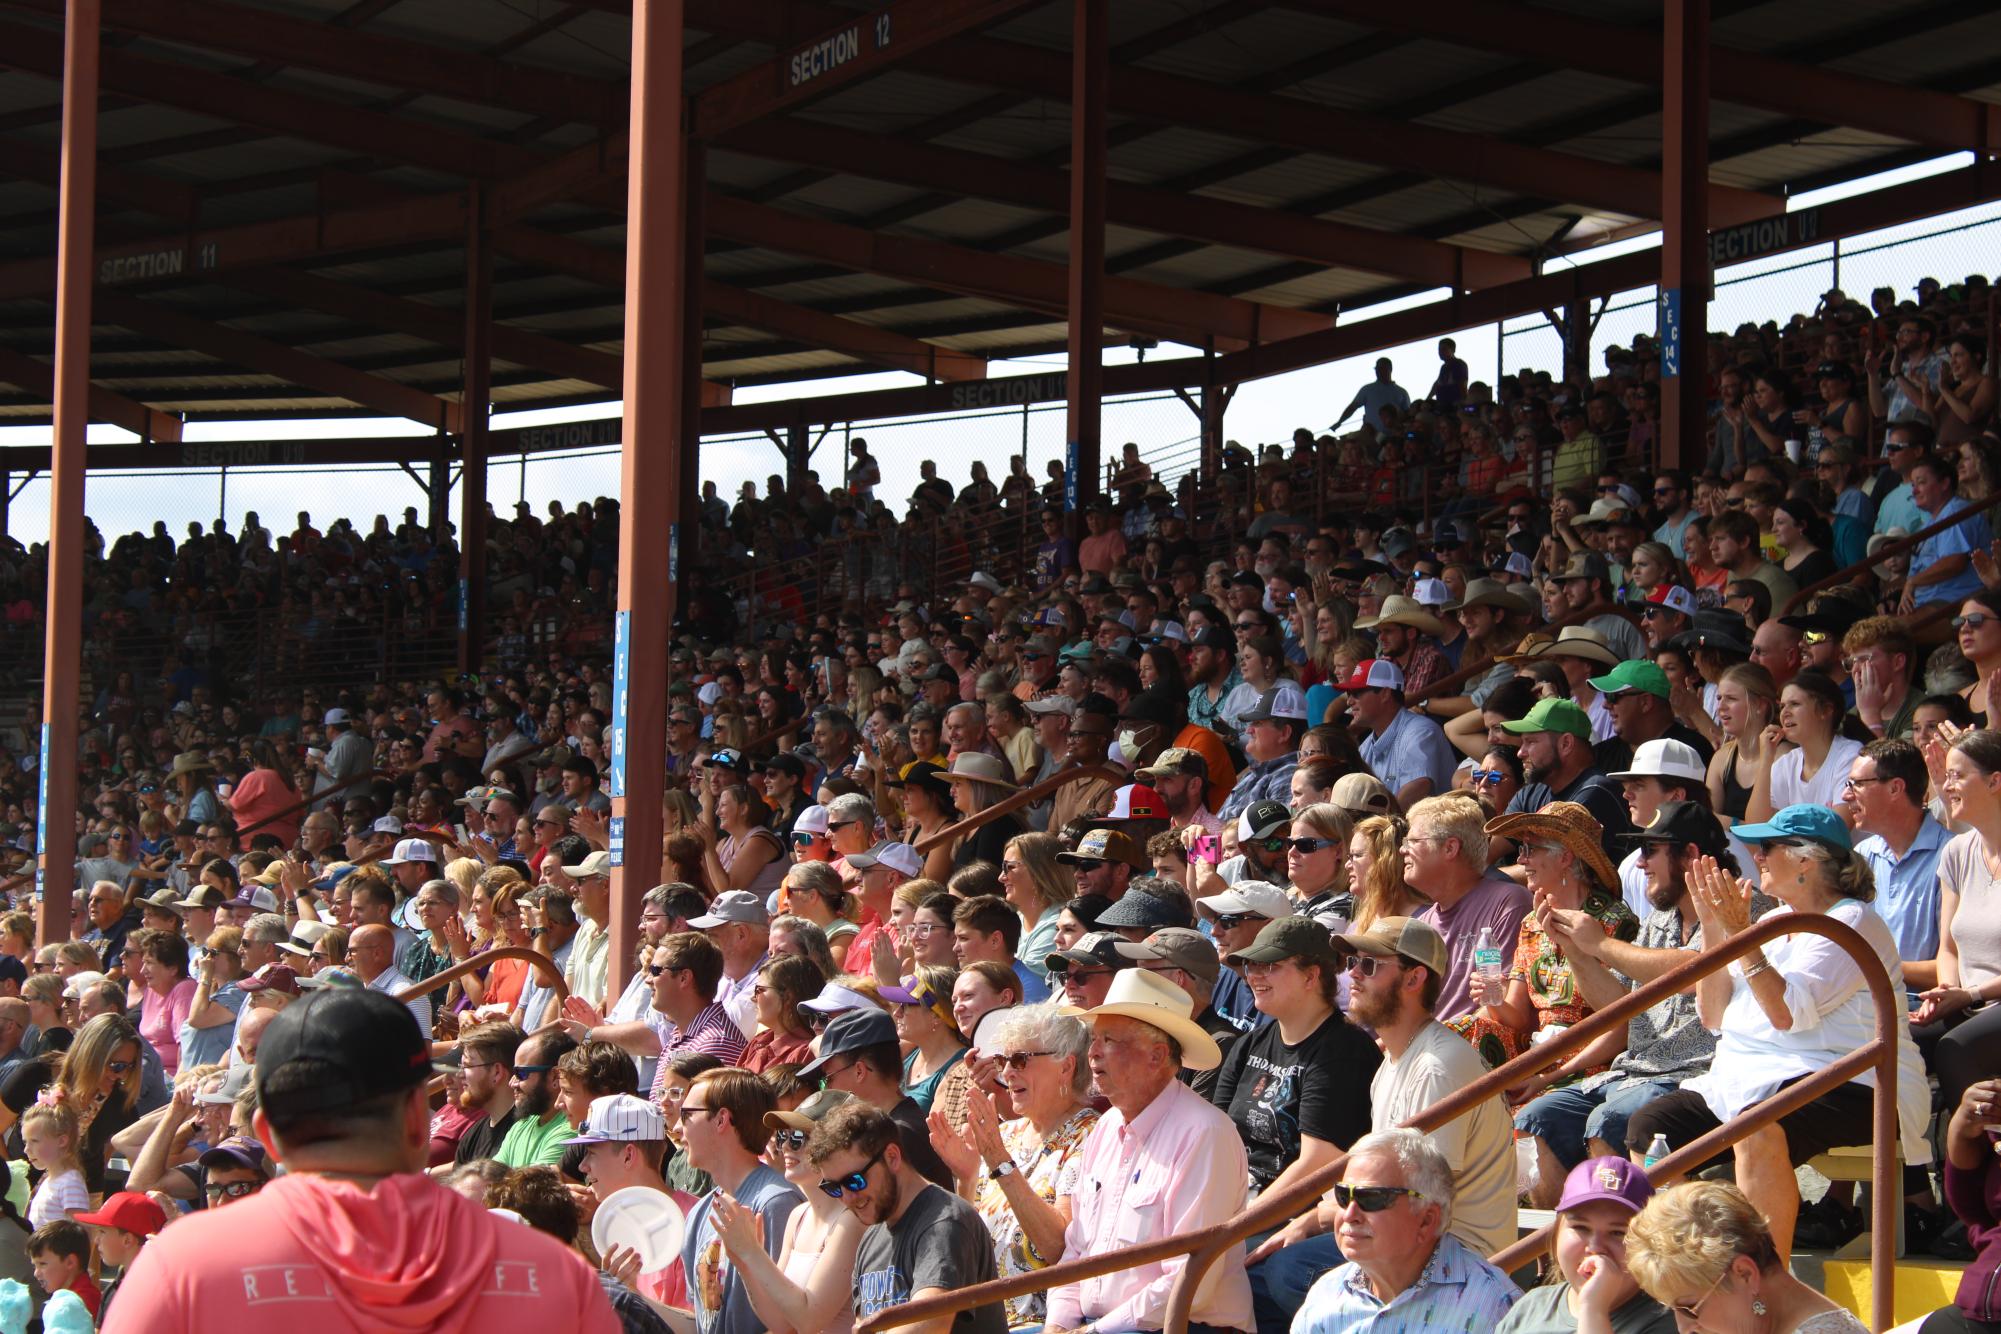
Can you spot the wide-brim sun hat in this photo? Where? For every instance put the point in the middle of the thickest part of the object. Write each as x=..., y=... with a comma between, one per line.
x=1570, y=826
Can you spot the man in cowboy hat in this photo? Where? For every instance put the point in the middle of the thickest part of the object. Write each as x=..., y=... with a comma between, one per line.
x=1162, y=1161
x=1559, y=764
x=1587, y=581
x=1408, y=635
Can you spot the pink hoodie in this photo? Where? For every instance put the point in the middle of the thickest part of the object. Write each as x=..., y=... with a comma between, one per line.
x=325, y=1257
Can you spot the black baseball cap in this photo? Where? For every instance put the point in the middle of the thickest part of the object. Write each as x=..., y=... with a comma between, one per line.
x=336, y=1049
x=786, y=762
x=850, y=1031
x=1682, y=823
x=1137, y=908
x=1210, y=636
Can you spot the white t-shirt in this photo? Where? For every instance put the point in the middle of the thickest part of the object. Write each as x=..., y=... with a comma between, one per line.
x=1479, y=1146
x=1790, y=789
x=59, y=1193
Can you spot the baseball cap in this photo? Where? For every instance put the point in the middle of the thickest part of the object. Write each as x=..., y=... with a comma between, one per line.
x=1634, y=674
x=1816, y=823
x=1178, y=946
x=278, y=977
x=128, y=1211
x=388, y=824
x=1099, y=947
x=1674, y=597
x=786, y=762
x=620, y=1118
x=1553, y=715
x=735, y=905
x=476, y=797
x=1362, y=794
x=896, y=856
x=1136, y=801
x=808, y=1113
x=1289, y=938
x=852, y=1031
x=1372, y=674
x=330, y=978
x=258, y=898
x=1137, y=908
x=234, y=1080
x=1259, y=897
x=1664, y=757
x=1103, y=845
x=1404, y=937
x=1284, y=700
x=812, y=820
x=336, y=718
x=1051, y=703
x=337, y=1048
x=240, y=1151
x=411, y=850
x=1262, y=819
x=1682, y=823
x=597, y=864
x=1176, y=761
x=833, y=999
x=1619, y=1181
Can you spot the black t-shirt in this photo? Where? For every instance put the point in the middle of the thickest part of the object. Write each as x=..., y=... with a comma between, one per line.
x=1597, y=794
x=1277, y=1093
x=914, y=1137
x=482, y=1137
x=1616, y=756
x=988, y=842
x=939, y=1242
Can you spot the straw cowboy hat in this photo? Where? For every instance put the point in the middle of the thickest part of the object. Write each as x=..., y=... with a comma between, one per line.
x=1400, y=610
x=1581, y=641
x=1568, y=825
x=1530, y=648
x=190, y=762
x=974, y=767
x=1488, y=593
x=1152, y=999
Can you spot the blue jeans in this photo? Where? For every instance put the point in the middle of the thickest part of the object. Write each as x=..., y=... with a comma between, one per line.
x=1279, y=1283
x=1566, y=1118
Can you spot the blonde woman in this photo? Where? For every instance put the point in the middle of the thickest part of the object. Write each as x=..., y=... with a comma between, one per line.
x=1746, y=703
x=1702, y=1250
x=1037, y=886
x=1375, y=872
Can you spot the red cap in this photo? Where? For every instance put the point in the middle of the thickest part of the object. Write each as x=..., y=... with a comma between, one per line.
x=129, y=1211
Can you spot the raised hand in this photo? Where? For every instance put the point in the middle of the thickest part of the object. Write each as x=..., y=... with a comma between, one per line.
x=956, y=1147
x=741, y=1230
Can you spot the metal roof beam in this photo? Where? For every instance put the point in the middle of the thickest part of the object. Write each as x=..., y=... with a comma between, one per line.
x=1198, y=217
x=266, y=357
x=1568, y=41
x=39, y=377
x=865, y=342
x=1185, y=316
x=391, y=62
x=155, y=194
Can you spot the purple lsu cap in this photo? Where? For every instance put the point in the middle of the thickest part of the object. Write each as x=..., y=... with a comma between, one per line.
x=1619, y=1180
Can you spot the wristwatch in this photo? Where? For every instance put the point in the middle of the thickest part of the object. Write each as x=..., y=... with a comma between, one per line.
x=1005, y=1168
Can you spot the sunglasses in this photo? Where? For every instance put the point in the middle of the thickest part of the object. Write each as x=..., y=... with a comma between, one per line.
x=231, y=1190
x=1229, y=921
x=1372, y=1199
x=805, y=840
x=1018, y=1060
x=1306, y=847
x=854, y=1182
x=1693, y=1310
x=840, y=824
x=119, y=1067
x=1368, y=965
x=1487, y=777
x=1972, y=622
x=533, y=1069
x=790, y=1139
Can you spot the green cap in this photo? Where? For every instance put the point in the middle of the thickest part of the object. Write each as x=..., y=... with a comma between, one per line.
x=1290, y=938
x=1634, y=674
x=1553, y=715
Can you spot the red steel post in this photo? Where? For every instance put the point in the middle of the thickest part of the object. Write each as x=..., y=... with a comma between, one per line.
x=474, y=405
x=1684, y=285
x=1088, y=68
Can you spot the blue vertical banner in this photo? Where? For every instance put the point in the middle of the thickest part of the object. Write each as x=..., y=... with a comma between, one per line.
x=42, y=815
x=1070, y=457
x=465, y=598
x=614, y=829
x=1669, y=332
x=673, y=554
x=621, y=669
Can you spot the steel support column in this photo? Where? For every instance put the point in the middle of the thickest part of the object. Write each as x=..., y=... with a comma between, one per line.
x=474, y=404
x=650, y=453
x=1577, y=340
x=1089, y=47
x=694, y=282
x=62, y=660
x=1684, y=285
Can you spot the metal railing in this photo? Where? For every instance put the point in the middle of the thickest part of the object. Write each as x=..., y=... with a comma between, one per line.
x=299, y=808
x=1014, y=801
x=1888, y=551
x=540, y=962
x=1208, y=1245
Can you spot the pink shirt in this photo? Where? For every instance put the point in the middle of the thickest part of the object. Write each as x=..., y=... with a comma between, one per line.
x=160, y=1020
x=1179, y=1166
x=261, y=795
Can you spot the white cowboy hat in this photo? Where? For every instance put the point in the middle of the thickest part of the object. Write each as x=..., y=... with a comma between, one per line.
x=1150, y=998
x=1400, y=610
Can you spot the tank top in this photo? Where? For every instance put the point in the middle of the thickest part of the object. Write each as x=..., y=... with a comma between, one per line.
x=771, y=875
x=1736, y=795
x=798, y=1267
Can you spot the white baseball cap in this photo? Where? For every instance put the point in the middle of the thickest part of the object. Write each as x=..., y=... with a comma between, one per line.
x=411, y=850
x=1252, y=896
x=896, y=856
x=621, y=1118
x=812, y=820
x=1665, y=757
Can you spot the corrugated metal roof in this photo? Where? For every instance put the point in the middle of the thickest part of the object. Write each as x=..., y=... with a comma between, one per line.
x=267, y=169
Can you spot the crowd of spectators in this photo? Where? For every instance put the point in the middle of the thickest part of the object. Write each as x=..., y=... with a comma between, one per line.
x=1374, y=797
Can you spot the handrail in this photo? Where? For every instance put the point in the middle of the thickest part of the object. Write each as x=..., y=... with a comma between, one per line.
x=1441, y=687
x=1014, y=801
x=533, y=958
x=1207, y=1245
x=1888, y=551
x=303, y=804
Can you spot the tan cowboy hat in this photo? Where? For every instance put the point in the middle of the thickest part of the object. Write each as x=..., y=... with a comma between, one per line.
x=1152, y=999
x=1569, y=825
x=974, y=767
x=1400, y=610
x=190, y=762
x=1581, y=641
x=1488, y=593
x=1531, y=646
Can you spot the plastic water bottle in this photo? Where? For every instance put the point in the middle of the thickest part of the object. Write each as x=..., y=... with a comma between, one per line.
x=1656, y=1151
x=1487, y=961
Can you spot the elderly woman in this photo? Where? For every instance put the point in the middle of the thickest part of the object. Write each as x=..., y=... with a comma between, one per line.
x=783, y=1037
x=169, y=996
x=1701, y=1250
x=1043, y=1057
x=922, y=1007
x=1563, y=851
x=1593, y=1215
x=1788, y=1010
x=1037, y=886
x=219, y=997
x=978, y=781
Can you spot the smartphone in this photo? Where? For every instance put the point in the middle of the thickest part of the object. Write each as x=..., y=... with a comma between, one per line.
x=1208, y=848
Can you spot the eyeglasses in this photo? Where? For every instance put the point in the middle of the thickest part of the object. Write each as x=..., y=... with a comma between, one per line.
x=1230, y=921
x=231, y=1190
x=803, y=840
x=687, y=1111
x=1861, y=782
x=533, y=1069
x=790, y=1139
x=1007, y=866
x=1693, y=1310
x=1371, y=1199
x=1306, y=847
x=1368, y=965
x=1082, y=975
x=1018, y=1060
x=1488, y=777
x=854, y=1182
x=1970, y=622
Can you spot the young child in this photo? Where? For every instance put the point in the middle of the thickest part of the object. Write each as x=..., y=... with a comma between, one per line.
x=121, y=1228
x=59, y=1252
x=49, y=1136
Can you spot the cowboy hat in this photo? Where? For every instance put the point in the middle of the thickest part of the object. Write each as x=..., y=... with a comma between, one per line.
x=973, y=767
x=190, y=762
x=1580, y=641
x=1570, y=826
x=1487, y=593
x=1150, y=998
x=1400, y=610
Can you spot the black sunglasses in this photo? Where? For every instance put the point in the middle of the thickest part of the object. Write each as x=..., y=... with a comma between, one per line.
x=1372, y=1199
x=854, y=1182
x=1306, y=847
x=790, y=1139
x=231, y=1190
x=1229, y=921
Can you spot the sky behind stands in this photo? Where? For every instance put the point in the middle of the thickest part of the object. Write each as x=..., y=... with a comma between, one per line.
x=1947, y=247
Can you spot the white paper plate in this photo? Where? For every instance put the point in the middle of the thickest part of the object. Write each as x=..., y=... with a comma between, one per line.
x=646, y=1220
